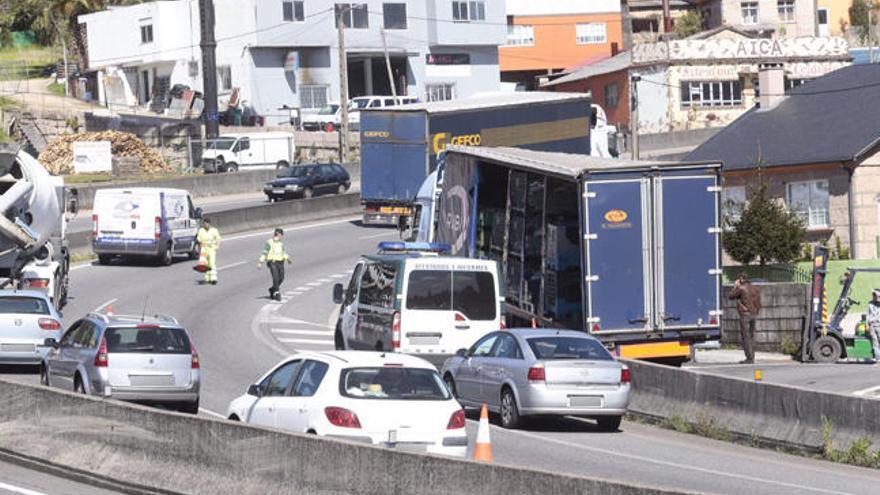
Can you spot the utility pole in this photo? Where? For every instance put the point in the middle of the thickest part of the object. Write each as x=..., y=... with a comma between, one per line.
x=870, y=34
x=209, y=68
x=634, y=113
x=667, y=18
x=343, y=83
x=388, y=66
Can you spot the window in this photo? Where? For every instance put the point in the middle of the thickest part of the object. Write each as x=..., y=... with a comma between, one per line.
x=146, y=34
x=85, y=338
x=611, y=96
x=309, y=379
x=279, y=381
x=394, y=15
x=293, y=11
x=483, y=347
x=313, y=96
x=378, y=285
x=594, y=33
x=224, y=77
x=810, y=201
x=553, y=348
x=439, y=92
x=507, y=348
x=711, y=93
x=733, y=200
x=354, y=15
x=352, y=289
x=469, y=11
x=470, y=293
x=790, y=84
x=520, y=35
x=786, y=10
x=23, y=305
x=392, y=383
x=749, y=12
x=147, y=340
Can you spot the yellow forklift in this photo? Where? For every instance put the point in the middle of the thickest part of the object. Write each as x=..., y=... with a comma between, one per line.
x=823, y=338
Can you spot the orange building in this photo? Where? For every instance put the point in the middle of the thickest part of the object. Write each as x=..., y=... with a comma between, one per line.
x=549, y=37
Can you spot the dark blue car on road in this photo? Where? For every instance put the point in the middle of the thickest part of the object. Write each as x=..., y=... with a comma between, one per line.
x=308, y=180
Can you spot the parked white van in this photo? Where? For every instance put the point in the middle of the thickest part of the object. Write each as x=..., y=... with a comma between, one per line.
x=233, y=152
x=325, y=119
x=144, y=221
x=409, y=298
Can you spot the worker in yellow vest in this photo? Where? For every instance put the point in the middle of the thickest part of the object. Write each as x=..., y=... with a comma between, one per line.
x=209, y=242
x=274, y=256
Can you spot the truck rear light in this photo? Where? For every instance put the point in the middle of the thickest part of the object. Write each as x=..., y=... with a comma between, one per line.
x=195, y=357
x=395, y=331
x=713, y=320
x=596, y=327
x=157, y=230
x=625, y=376
x=456, y=421
x=503, y=325
x=49, y=324
x=536, y=374
x=343, y=418
x=101, y=356
x=95, y=226
x=35, y=283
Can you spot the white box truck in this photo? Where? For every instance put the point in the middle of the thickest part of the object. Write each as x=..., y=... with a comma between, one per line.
x=234, y=152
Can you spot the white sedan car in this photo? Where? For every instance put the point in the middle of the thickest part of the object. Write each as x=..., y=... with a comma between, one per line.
x=393, y=400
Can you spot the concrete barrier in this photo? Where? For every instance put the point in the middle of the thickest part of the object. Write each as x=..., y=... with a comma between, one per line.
x=187, y=454
x=774, y=414
x=267, y=215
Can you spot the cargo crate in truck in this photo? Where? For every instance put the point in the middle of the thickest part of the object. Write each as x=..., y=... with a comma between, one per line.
x=399, y=145
x=628, y=251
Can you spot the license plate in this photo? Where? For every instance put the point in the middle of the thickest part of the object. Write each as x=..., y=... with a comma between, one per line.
x=151, y=380
x=584, y=401
x=17, y=347
x=278, y=191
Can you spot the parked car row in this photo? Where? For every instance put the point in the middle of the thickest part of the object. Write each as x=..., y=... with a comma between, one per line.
x=329, y=117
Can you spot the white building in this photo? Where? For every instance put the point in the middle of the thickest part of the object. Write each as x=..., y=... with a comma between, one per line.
x=285, y=52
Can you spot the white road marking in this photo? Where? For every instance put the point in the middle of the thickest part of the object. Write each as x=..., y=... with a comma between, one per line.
x=339, y=275
x=313, y=284
x=324, y=280
x=302, y=332
x=375, y=236
x=281, y=320
x=18, y=489
x=302, y=288
x=211, y=413
x=232, y=265
x=108, y=303
x=651, y=460
x=867, y=391
x=328, y=341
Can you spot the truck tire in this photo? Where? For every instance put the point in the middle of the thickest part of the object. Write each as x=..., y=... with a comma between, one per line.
x=826, y=349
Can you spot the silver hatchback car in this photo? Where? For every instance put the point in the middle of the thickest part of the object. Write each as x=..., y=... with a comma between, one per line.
x=538, y=372
x=27, y=319
x=147, y=360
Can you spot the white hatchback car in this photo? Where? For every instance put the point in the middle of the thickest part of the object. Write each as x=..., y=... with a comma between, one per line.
x=392, y=400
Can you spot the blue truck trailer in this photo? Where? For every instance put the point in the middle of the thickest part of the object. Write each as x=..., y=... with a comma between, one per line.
x=399, y=145
x=626, y=250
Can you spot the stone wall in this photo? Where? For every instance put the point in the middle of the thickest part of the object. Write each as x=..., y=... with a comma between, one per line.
x=784, y=313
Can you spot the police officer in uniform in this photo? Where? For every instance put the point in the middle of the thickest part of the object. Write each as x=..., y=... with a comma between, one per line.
x=274, y=256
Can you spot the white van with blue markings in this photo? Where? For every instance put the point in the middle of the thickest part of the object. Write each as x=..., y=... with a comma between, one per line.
x=145, y=222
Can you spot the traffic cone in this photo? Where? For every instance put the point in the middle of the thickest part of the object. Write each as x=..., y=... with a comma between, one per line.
x=109, y=310
x=202, y=265
x=534, y=323
x=483, y=448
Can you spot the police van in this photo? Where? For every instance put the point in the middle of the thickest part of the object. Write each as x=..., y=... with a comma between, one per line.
x=410, y=298
x=144, y=221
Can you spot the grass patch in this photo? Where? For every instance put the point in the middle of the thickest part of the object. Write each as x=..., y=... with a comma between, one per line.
x=27, y=63
x=107, y=177
x=6, y=102
x=80, y=258
x=705, y=426
x=57, y=89
x=87, y=178
x=858, y=454
x=790, y=346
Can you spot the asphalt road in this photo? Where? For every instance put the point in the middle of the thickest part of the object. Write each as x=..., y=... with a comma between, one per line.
x=240, y=333
x=862, y=379
x=18, y=480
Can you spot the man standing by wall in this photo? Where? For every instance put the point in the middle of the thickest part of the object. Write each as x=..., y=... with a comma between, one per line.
x=748, y=304
x=873, y=320
x=274, y=256
x=209, y=242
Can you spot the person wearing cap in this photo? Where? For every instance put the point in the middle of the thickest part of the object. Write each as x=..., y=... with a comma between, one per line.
x=872, y=318
x=209, y=242
x=274, y=256
x=748, y=304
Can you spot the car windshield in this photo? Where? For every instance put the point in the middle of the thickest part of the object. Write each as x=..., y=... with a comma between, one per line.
x=558, y=348
x=328, y=109
x=23, y=305
x=392, y=383
x=292, y=172
x=221, y=143
x=147, y=339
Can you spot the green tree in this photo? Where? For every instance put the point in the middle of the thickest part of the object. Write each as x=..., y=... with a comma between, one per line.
x=689, y=24
x=858, y=17
x=766, y=230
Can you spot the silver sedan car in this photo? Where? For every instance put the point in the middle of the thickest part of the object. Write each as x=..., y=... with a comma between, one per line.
x=540, y=372
x=27, y=319
x=148, y=360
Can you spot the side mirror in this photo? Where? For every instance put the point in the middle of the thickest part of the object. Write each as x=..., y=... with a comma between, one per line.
x=338, y=293
x=255, y=390
x=50, y=342
x=462, y=353
x=199, y=213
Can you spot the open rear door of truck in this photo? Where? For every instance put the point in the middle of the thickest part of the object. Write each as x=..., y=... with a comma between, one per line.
x=618, y=263
x=687, y=256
